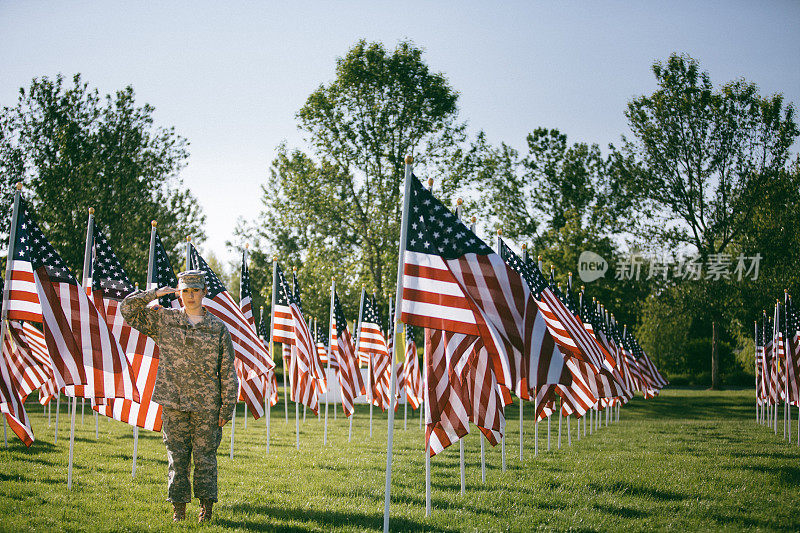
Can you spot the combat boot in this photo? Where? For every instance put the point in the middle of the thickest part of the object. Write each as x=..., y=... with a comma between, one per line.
x=178, y=512
x=205, y=510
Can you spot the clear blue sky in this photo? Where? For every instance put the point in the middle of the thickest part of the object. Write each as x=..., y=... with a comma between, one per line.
x=231, y=75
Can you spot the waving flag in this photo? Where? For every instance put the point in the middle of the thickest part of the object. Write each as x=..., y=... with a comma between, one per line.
x=411, y=373
x=110, y=284
x=350, y=380
x=251, y=382
x=454, y=282
x=27, y=361
x=306, y=372
x=164, y=276
x=11, y=405
x=372, y=346
x=283, y=322
x=566, y=329
x=88, y=361
x=219, y=302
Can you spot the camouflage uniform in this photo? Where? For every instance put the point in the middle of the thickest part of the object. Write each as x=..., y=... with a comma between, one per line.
x=196, y=386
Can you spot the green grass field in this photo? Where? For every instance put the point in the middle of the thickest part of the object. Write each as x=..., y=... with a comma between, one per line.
x=687, y=460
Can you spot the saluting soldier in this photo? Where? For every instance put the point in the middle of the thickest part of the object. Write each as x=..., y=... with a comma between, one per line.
x=196, y=385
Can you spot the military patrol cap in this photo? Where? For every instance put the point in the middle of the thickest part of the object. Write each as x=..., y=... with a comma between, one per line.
x=192, y=278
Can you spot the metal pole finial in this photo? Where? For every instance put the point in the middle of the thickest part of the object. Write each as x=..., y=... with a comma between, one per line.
x=154, y=223
x=409, y=159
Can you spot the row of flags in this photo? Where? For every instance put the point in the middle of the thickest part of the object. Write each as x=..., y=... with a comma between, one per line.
x=777, y=357
x=492, y=323
x=495, y=325
x=62, y=336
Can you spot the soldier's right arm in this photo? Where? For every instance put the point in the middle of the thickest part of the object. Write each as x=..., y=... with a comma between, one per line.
x=135, y=311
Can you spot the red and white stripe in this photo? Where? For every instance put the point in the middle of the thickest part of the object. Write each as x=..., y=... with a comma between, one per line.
x=486, y=408
x=251, y=389
x=412, y=376
x=351, y=382
x=246, y=344
x=446, y=416
x=282, y=324
x=88, y=360
x=11, y=405
x=142, y=354
x=476, y=295
x=793, y=367
x=27, y=361
x=23, y=298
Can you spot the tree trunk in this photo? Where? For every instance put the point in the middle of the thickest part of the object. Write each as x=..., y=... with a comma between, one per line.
x=714, y=357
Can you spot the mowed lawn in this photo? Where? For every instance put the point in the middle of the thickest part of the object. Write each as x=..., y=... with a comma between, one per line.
x=688, y=460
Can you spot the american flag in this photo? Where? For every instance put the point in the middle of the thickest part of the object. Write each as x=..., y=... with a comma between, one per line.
x=766, y=358
x=306, y=372
x=11, y=404
x=454, y=282
x=446, y=416
x=110, y=284
x=321, y=340
x=27, y=357
x=251, y=382
x=282, y=321
x=372, y=346
x=451, y=403
x=566, y=329
x=350, y=380
x=263, y=329
x=411, y=371
x=163, y=275
x=246, y=344
x=88, y=360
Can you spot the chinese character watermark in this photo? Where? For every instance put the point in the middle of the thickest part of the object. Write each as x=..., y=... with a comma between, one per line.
x=716, y=267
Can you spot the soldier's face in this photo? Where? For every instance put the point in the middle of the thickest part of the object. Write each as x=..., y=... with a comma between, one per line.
x=192, y=298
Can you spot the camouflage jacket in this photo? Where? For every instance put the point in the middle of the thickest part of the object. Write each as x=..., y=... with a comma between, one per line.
x=195, y=368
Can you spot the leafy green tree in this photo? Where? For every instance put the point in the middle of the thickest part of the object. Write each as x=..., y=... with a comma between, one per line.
x=700, y=162
x=336, y=210
x=74, y=149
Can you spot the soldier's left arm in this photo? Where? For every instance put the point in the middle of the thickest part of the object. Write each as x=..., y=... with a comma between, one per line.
x=229, y=383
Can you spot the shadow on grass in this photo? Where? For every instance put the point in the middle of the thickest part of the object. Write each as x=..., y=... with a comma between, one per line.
x=616, y=511
x=326, y=519
x=623, y=488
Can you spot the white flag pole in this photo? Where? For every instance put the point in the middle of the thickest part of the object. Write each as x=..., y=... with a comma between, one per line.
x=459, y=208
x=503, y=438
x=272, y=332
x=58, y=411
x=786, y=413
x=292, y=363
x=9, y=259
x=268, y=405
x=369, y=366
x=535, y=421
x=398, y=307
x=569, y=432
x=777, y=395
x=560, y=416
x=331, y=325
x=233, y=427
x=483, y=457
x=87, y=265
x=149, y=284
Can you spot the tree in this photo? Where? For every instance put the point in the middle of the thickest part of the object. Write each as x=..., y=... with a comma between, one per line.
x=73, y=150
x=700, y=162
x=341, y=201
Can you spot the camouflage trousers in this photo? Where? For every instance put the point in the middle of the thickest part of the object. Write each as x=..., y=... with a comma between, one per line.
x=187, y=434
